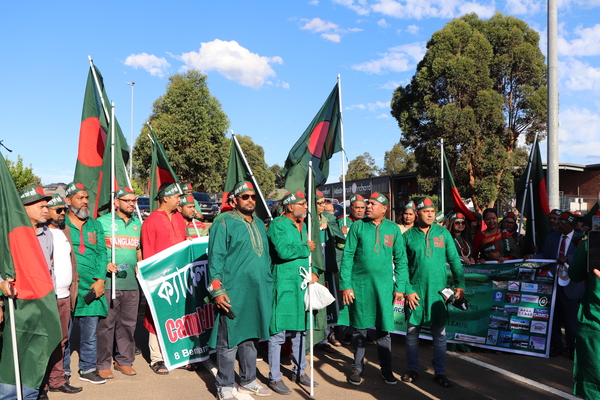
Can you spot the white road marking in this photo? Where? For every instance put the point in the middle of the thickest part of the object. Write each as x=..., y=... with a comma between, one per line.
x=516, y=377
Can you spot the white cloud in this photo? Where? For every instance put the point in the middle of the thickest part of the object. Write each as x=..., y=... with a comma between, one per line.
x=382, y=23
x=361, y=7
x=370, y=106
x=152, y=64
x=578, y=136
x=523, y=7
x=233, y=62
x=392, y=85
x=328, y=30
x=413, y=29
x=318, y=25
x=587, y=42
x=579, y=75
x=482, y=10
x=314, y=2
x=397, y=59
x=383, y=116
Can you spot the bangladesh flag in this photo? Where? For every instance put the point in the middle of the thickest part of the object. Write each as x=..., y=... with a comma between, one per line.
x=319, y=142
x=160, y=171
x=93, y=156
x=532, y=199
x=452, y=199
x=38, y=330
x=238, y=170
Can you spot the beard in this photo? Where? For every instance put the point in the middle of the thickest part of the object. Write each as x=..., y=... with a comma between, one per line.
x=80, y=213
x=60, y=224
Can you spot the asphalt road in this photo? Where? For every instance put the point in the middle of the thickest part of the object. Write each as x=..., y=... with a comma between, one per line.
x=480, y=374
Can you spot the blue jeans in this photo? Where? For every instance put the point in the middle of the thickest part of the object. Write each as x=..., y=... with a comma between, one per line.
x=87, y=343
x=246, y=352
x=9, y=392
x=384, y=349
x=439, y=348
x=298, y=354
x=67, y=356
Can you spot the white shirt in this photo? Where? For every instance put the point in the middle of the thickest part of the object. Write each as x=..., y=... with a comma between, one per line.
x=63, y=269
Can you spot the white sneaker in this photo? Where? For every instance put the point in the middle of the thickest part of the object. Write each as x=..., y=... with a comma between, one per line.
x=226, y=394
x=255, y=388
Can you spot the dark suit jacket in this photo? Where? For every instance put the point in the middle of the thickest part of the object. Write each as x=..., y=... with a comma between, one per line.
x=550, y=251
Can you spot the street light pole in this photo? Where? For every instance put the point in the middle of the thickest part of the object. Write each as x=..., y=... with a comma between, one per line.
x=131, y=134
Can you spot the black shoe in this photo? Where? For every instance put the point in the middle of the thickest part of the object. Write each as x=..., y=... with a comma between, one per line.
x=354, y=378
x=42, y=395
x=92, y=377
x=137, y=351
x=66, y=388
x=388, y=377
x=555, y=351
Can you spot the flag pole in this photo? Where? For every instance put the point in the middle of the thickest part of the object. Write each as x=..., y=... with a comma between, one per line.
x=112, y=198
x=342, y=152
x=528, y=184
x=105, y=109
x=254, y=182
x=15, y=349
x=310, y=313
x=442, y=176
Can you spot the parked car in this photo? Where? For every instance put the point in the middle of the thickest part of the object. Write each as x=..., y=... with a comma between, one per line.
x=144, y=206
x=210, y=209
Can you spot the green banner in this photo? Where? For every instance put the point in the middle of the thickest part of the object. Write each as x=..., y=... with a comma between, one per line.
x=511, y=307
x=175, y=284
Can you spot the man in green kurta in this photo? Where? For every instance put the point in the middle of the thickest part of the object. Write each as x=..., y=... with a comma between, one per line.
x=429, y=247
x=89, y=246
x=586, y=371
x=371, y=280
x=242, y=286
x=290, y=249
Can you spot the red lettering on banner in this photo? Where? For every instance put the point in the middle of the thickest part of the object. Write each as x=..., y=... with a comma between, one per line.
x=191, y=324
x=170, y=326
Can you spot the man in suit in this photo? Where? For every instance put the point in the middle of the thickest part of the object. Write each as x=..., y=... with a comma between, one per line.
x=562, y=246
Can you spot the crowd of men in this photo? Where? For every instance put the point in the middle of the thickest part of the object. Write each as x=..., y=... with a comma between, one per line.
x=258, y=278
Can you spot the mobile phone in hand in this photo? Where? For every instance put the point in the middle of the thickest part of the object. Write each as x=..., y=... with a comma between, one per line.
x=89, y=296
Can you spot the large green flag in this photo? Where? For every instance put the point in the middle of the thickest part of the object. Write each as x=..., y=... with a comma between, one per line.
x=38, y=330
x=238, y=170
x=160, y=171
x=532, y=199
x=318, y=143
x=93, y=168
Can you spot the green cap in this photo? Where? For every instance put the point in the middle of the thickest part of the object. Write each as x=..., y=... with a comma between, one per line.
x=410, y=205
x=355, y=198
x=169, y=191
x=187, y=200
x=123, y=192
x=439, y=217
x=293, y=198
x=73, y=188
x=319, y=195
x=378, y=197
x=56, y=201
x=425, y=202
x=32, y=194
x=242, y=187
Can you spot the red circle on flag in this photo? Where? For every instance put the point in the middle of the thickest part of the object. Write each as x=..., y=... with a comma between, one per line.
x=428, y=202
x=40, y=191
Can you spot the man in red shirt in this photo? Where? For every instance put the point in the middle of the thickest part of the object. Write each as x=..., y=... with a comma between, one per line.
x=162, y=229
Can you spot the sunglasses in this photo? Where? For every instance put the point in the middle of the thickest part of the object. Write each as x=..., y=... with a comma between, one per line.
x=459, y=222
x=128, y=201
x=320, y=203
x=247, y=196
x=60, y=210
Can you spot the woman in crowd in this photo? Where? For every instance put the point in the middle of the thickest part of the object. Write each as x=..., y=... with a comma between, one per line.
x=409, y=217
x=457, y=224
x=509, y=225
x=508, y=248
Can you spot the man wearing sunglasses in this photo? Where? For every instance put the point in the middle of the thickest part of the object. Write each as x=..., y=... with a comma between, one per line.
x=239, y=267
x=116, y=330
x=65, y=285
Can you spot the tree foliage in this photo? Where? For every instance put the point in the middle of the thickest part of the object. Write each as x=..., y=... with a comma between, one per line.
x=255, y=156
x=481, y=86
x=398, y=160
x=276, y=169
x=22, y=176
x=191, y=126
x=361, y=167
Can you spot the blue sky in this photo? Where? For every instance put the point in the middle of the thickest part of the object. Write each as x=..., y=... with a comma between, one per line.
x=270, y=63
